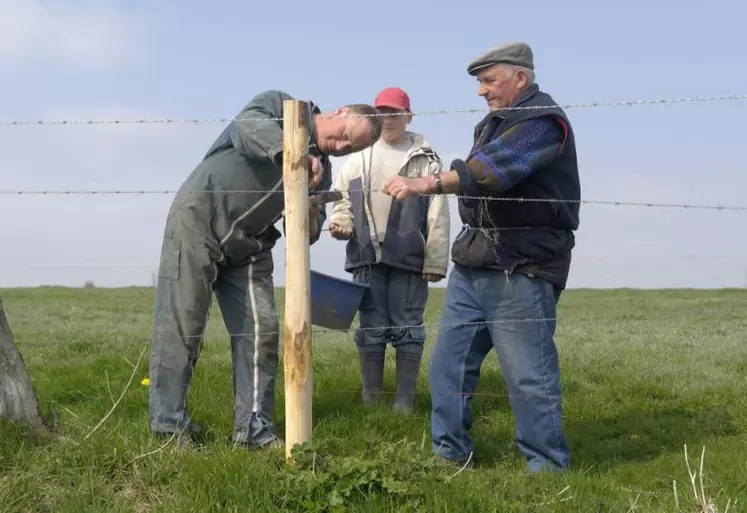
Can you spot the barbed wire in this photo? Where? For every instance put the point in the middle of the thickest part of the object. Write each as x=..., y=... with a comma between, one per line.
x=735, y=306
x=680, y=259
x=143, y=192
x=145, y=121
x=318, y=329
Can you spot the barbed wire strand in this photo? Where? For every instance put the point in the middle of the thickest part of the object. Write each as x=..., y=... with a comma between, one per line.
x=320, y=330
x=423, y=393
x=667, y=260
x=143, y=121
x=614, y=203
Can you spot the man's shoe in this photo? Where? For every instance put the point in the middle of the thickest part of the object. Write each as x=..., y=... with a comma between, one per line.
x=260, y=434
x=187, y=438
x=276, y=443
x=273, y=444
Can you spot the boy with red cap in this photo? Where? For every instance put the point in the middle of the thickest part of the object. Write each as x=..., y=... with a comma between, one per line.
x=396, y=247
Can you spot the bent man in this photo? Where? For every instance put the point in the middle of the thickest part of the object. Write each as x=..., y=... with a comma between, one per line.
x=218, y=238
x=512, y=260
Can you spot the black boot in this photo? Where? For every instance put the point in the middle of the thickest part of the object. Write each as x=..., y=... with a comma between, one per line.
x=408, y=368
x=372, y=371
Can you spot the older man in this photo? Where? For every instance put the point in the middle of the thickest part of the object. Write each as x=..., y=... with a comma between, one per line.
x=218, y=238
x=512, y=260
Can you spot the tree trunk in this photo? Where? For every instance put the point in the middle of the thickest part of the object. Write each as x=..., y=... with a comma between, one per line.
x=17, y=397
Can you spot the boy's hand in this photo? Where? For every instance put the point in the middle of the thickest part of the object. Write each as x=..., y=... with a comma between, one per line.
x=339, y=232
x=432, y=277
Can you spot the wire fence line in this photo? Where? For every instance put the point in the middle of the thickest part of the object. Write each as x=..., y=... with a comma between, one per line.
x=83, y=338
x=132, y=336
x=485, y=381
x=489, y=370
x=665, y=261
x=148, y=121
x=318, y=330
x=614, y=203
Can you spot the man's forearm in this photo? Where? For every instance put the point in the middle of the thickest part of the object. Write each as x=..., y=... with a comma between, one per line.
x=496, y=168
x=513, y=156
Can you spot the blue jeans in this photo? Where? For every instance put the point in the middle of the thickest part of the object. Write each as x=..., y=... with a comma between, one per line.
x=392, y=309
x=526, y=353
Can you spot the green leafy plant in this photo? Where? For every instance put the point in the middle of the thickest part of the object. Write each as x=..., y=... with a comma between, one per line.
x=327, y=484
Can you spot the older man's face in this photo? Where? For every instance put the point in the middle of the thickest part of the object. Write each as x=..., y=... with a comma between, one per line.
x=500, y=86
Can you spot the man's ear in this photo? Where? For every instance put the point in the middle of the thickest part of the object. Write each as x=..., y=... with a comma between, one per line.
x=523, y=79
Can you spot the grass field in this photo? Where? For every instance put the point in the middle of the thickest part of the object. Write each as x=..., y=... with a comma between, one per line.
x=644, y=373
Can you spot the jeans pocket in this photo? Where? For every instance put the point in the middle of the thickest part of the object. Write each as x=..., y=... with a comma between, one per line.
x=417, y=291
x=171, y=255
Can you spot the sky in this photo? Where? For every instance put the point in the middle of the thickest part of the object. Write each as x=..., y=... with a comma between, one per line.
x=103, y=60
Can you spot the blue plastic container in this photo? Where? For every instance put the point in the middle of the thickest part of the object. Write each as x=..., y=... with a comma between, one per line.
x=334, y=302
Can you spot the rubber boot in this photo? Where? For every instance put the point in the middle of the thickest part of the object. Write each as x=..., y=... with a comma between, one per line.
x=408, y=368
x=372, y=371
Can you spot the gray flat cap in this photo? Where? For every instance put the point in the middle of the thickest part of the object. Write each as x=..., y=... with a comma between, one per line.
x=513, y=52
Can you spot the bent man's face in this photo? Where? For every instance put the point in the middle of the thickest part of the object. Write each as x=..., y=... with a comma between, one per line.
x=342, y=136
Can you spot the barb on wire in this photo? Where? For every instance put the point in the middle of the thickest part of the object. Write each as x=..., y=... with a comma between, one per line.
x=147, y=121
x=614, y=203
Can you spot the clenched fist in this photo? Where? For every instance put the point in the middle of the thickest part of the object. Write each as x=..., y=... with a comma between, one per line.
x=339, y=232
x=432, y=277
x=399, y=187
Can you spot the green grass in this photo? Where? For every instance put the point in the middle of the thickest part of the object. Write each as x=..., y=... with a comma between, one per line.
x=644, y=373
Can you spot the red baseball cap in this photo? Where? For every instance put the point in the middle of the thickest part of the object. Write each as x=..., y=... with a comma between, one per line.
x=393, y=97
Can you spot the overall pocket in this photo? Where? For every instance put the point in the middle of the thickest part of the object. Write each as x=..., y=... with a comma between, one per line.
x=171, y=256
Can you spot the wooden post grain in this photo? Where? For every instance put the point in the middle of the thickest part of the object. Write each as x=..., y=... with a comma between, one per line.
x=297, y=332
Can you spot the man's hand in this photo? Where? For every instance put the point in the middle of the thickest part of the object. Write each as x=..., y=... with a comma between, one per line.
x=339, y=232
x=316, y=171
x=432, y=277
x=400, y=187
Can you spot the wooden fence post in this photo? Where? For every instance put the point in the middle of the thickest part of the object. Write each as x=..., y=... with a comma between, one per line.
x=297, y=324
